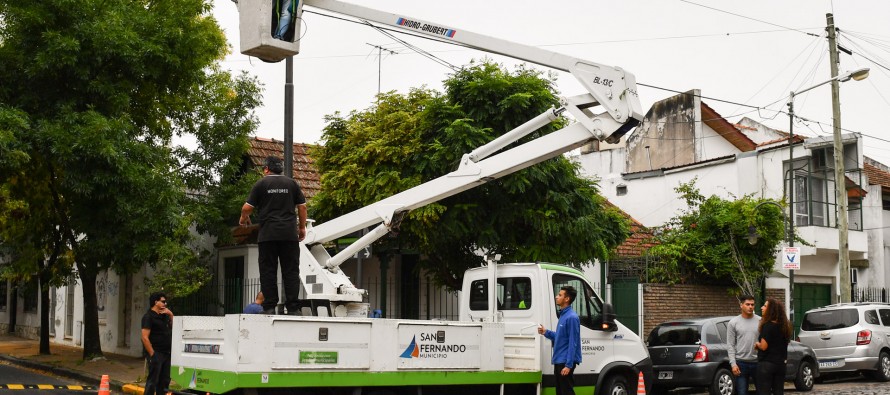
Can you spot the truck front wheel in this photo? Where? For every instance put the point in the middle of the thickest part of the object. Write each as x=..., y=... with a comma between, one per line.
x=616, y=384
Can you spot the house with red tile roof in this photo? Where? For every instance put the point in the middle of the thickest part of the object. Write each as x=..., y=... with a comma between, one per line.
x=683, y=139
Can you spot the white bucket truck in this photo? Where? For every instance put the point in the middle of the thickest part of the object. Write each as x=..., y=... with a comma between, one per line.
x=494, y=347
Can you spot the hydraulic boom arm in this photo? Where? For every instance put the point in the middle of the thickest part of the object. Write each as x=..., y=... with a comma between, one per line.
x=611, y=88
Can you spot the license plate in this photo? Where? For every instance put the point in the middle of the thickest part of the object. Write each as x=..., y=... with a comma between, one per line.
x=832, y=363
x=665, y=375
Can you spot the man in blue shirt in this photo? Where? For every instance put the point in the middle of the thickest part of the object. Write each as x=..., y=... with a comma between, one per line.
x=566, y=341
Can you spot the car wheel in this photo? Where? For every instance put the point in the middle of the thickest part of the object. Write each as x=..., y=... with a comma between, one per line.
x=723, y=383
x=616, y=384
x=883, y=373
x=804, y=380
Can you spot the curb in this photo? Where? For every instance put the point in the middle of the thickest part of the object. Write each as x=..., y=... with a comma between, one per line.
x=133, y=389
x=68, y=373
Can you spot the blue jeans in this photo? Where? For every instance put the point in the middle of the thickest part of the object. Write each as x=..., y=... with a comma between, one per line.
x=748, y=371
x=284, y=19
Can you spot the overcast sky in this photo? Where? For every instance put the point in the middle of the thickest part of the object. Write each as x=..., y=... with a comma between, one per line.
x=750, y=52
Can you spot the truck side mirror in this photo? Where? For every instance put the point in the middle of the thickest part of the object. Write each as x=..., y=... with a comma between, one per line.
x=608, y=324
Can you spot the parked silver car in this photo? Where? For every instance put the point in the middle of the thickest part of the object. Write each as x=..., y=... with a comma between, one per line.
x=850, y=337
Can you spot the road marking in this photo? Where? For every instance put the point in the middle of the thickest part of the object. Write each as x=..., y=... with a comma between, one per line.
x=47, y=387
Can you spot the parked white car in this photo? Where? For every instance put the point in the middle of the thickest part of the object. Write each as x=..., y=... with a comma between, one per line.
x=850, y=337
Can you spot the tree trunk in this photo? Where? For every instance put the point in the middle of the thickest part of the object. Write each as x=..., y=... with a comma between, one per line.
x=92, y=347
x=44, y=311
x=13, y=309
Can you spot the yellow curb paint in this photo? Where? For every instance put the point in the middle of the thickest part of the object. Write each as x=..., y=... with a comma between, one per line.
x=46, y=387
x=15, y=386
x=133, y=389
x=75, y=387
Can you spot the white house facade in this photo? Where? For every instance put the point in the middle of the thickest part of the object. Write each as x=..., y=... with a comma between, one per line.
x=682, y=139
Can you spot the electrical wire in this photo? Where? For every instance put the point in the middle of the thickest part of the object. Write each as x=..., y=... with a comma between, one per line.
x=757, y=108
x=748, y=17
x=812, y=44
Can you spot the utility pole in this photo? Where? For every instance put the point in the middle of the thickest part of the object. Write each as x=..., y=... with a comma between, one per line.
x=840, y=180
x=289, y=117
x=380, y=62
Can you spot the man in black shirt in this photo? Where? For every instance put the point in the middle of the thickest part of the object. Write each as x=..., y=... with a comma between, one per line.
x=157, y=325
x=276, y=197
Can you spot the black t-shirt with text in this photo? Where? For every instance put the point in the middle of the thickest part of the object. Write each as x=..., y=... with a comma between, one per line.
x=161, y=331
x=776, y=344
x=275, y=197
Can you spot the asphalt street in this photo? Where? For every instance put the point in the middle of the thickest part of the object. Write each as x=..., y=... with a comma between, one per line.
x=13, y=378
x=846, y=385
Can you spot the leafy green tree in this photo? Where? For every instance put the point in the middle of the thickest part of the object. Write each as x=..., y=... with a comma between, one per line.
x=93, y=95
x=707, y=243
x=544, y=213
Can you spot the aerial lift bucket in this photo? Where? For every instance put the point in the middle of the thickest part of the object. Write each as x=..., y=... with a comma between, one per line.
x=270, y=29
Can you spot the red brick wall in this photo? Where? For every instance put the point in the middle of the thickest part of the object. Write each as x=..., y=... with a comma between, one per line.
x=662, y=302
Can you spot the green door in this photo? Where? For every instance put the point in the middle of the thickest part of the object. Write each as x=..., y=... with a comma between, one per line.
x=626, y=303
x=809, y=296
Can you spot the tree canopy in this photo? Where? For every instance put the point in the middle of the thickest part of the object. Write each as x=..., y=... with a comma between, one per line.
x=94, y=96
x=544, y=213
x=708, y=242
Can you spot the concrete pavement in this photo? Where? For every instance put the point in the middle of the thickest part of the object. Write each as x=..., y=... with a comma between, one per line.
x=126, y=374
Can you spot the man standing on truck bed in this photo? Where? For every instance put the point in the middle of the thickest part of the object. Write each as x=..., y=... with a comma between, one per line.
x=276, y=197
x=741, y=334
x=566, y=341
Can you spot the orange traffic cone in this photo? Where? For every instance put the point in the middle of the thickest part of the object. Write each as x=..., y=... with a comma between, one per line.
x=641, y=385
x=103, y=386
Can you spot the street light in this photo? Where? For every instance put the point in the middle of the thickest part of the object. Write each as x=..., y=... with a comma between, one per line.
x=839, y=183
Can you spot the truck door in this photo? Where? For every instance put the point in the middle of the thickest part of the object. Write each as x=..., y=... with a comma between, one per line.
x=596, y=345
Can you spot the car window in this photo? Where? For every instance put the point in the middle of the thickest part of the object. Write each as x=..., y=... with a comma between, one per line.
x=675, y=335
x=513, y=293
x=721, y=331
x=830, y=319
x=587, y=305
x=885, y=316
x=871, y=317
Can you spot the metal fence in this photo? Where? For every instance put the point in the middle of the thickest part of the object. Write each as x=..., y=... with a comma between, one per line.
x=869, y=294
x=428, y=301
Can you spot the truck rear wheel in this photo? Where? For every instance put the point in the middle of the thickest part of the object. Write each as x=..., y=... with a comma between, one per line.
x=616, y=384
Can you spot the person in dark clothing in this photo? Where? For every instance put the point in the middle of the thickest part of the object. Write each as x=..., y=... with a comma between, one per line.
x=772, y=346
x=276, y=197
x=157, y=336
x=566, y=341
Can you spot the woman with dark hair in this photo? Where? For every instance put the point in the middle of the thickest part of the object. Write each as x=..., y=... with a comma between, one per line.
x=772, y=348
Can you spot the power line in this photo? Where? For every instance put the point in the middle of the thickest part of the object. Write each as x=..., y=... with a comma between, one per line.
x=748, y=17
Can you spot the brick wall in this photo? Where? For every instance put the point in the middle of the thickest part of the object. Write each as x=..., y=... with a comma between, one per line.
x=662, y=302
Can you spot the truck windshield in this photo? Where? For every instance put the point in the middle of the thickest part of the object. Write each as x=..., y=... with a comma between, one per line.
x=513, y=293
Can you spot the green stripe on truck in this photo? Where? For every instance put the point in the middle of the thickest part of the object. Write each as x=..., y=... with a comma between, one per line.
x=219, y=382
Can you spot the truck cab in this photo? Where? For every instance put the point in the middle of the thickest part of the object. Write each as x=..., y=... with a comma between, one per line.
x=612, y=355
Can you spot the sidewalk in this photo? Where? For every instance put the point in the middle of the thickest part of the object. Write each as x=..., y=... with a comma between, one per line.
x=126, y=373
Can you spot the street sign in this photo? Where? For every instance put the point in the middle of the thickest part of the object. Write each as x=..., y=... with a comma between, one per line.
x=791, y=258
